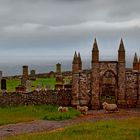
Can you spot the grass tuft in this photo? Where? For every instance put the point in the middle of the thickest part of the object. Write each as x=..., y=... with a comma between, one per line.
x=62, y=115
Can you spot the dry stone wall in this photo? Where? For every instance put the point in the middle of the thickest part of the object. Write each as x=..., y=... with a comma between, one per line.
x=60, y=97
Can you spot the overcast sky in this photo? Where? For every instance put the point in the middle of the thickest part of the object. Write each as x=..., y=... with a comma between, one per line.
x=41, y=30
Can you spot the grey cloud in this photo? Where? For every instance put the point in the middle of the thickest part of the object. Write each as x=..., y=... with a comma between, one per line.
x=67, y=24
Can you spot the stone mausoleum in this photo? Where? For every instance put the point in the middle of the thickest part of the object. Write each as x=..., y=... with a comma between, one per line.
x=107, y=81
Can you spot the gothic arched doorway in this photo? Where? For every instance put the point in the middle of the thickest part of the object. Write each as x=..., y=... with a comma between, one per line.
x=108, y=87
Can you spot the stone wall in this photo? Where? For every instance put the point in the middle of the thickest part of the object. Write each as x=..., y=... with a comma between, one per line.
x=81, y=88
x=86, y=85
x=131, y=88
x=61, y=97
x=106, y=65
x=84, y=90
x=95, y=86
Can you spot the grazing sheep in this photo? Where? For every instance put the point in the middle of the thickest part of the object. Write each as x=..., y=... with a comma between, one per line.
x=82, y=109
x=109, y=107
x=63, y=109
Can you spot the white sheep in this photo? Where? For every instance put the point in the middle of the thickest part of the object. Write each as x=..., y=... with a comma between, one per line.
x=82, y=109
x=63, y=109
x=109, y=107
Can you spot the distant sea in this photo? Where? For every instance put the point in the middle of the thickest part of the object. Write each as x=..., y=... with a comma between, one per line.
x=12, y=69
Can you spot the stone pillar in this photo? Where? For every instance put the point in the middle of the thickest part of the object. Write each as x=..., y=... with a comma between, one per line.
x=95, y=79
x=75, y=89
x=121, y=98
x=80, y=61
x=58, y=68
x=75, y=64
x=138, y=97
x=24, y=76
x=135, y=63
x=28, y=86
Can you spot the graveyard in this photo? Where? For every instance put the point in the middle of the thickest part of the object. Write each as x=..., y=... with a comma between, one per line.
x=102, y=102
x=13, y=83
x=31, y=104
x=70, y=70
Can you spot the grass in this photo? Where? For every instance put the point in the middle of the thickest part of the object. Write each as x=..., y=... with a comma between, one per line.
x=62, y=116
x=43, y=82
x=10, y=115
x=12, y=83
x=102, y=130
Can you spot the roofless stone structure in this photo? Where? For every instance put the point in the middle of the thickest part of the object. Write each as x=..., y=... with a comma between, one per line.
x=107, y=81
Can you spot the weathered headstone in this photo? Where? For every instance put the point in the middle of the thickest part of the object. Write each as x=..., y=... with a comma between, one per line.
x=66, y=81
x=59, y=79
x=47, y=87
x=51, y=74
x=38, y=87
x=32, y=75
x=28, y=86
x=0, y=75
x=59, y=86
x=3, y=85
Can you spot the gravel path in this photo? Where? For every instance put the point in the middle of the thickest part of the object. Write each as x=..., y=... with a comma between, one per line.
x=44, y=125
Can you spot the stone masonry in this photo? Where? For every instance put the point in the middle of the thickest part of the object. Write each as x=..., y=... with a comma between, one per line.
x=107, y=81
x=57, y=97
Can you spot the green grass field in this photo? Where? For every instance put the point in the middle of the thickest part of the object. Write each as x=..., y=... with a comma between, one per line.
x=12, y=83
x=101, y=130
x=10, y=115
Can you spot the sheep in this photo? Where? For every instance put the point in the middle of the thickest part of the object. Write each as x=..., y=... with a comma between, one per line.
x=82, y=109
x=63, y=109
x=109, y=107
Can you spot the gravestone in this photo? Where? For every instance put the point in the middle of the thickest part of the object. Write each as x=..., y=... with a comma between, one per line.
x=59, y=86
x=47, y=87
x=59, y=79
x=38, y=87
x=32, y=75
x=0, y=75
x=51, y=74
x=3, y=85
x=66, y=81
x=28, y=86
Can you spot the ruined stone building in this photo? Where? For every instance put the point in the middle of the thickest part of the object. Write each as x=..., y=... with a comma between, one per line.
x=107, y=81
